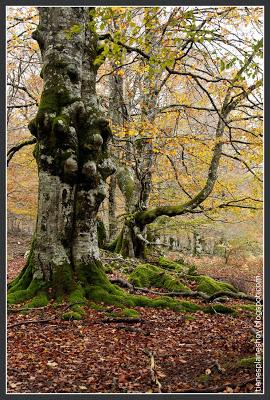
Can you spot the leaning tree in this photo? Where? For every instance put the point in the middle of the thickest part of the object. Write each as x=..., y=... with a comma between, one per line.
x=72, y=158
x=226, y=82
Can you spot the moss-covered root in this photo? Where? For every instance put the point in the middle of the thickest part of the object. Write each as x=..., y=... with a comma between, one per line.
x=24, y=290
x=176, y=266
x=124, y=313
x=40, y=300
x=210, y=286
x=24, y=287
x=76, y=300
x=113, y=295
x=220, y=309
x=148, y=275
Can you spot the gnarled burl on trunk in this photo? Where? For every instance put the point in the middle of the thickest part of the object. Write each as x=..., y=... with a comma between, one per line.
x=72, y=158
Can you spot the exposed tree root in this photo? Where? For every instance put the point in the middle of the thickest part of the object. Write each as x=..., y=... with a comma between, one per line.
x=15, y=310
x=194, y=294
x=241, y=296
x=89, y=282
x=34, y=321
x=122, y=282
x=218, y=388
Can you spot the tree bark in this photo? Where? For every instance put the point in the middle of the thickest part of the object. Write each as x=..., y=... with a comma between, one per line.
x=118, y=115
x=112, y=208
x=72, y=158
x=136, y=183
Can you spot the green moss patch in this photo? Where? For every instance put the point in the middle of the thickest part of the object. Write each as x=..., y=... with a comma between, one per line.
x=92, y=272
x=172, y=265
x=119, y=298
x=101, y=232
x=62, y=280
x=77, y=299
x=248, y=307
x=210, y=286
x=203, y=378
x=219, y=309
x=147, y=275
x=248, y=362
x=189, y=318
x=96, y=306
x=125, y=312
x=41, y=300
x=70, y=315
x=189, y=306
x=19, y=296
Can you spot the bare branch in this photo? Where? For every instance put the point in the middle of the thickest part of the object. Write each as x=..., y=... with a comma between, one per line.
x=13, y=150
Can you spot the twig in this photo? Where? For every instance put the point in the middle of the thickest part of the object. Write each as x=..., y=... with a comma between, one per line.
x=234, y=295
x=218, y=388
x=26, y=309
x=119, y=320
x=34, y=321
x=153, y=370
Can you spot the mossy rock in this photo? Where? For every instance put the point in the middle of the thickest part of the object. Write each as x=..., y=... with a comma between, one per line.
x=148, y=275
x=219, y=309
x=248, y=362
x=210, y=286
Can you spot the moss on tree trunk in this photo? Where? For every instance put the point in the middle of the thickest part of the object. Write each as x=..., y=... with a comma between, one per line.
x=73, y=163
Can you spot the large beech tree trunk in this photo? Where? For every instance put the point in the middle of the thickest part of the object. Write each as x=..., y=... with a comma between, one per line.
x=71, y=154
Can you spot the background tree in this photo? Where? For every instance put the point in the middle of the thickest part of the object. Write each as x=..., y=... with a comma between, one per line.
x=206, y=96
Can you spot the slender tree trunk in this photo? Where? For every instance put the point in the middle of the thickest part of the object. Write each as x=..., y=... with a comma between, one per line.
x=132, y=239
x=71, y=153
x=118, y=115
x=112, y=208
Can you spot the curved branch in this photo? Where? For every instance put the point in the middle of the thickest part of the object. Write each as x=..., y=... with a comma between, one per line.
x=13, y=150
x=146, y=217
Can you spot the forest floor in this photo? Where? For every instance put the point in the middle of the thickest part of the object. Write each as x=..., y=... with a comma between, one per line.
x=165, y=351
